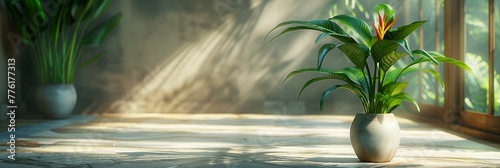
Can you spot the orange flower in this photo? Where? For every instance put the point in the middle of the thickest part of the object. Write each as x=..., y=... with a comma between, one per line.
x=383, y=25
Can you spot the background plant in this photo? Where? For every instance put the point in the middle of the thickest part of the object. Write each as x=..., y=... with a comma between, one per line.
x=479, y=100
x=58, y=31
x=372, y=78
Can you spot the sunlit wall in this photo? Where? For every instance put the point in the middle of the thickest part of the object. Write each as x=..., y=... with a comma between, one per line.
x=210, y=56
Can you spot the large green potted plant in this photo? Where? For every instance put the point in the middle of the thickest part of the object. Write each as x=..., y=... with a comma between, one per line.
x=373, y=78
x=57, y=32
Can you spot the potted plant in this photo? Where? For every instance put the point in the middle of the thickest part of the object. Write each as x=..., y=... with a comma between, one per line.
x=377, y=83
x=57, y=32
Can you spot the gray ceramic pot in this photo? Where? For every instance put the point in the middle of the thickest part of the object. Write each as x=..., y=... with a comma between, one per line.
x=56, y=101
x=375, y=137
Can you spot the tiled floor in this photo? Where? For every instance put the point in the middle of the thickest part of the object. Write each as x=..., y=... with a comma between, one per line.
x=229, y=141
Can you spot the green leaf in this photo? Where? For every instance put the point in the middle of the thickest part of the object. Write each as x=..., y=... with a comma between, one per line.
x=337, y=75
x=332, y=26
x=357, y=53
x=389, y=60
x=393, y=88
x=290, y=29
x=384, y=10
x=425, y=54
x=34, y=12
x=325, y=94
x=99, y=8
x=94, y=58
x=320, y=37
x=324, y=26
x=402, y=32
x=408, y=71
x=79, y=9
x=88, y=9
x=349, y=87
x=340, y=37
x=97, y=35
x=357, y=25
x=323, y=51
x=332, y=74
x=441, y=58
x=406, y=47
x=382, y=48
x=404, y=96
x=392, y=108
x=321, y=70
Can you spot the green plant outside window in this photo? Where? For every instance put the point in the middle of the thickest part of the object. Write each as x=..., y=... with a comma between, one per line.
x=476, y=55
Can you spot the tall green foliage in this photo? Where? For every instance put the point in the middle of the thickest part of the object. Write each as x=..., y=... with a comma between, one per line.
x=58, y=31
x=373, y=78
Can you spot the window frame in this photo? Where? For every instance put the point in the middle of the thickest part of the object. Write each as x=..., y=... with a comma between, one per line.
x=453, y=113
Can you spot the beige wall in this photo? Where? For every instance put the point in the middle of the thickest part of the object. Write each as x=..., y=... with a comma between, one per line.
x=201, y=56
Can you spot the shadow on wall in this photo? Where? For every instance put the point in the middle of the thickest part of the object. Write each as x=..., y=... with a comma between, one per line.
x=190, y=56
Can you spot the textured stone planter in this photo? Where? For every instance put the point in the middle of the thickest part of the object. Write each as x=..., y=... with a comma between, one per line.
x=56, y=101
x=375, y=137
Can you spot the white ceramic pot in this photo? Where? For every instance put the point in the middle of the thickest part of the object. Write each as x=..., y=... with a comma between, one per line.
x=375, y=137
x=56, y=101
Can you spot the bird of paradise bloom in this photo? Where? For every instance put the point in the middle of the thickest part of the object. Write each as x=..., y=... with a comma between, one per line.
x=384, y=24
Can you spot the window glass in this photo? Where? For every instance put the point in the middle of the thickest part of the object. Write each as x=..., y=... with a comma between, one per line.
x=497, y=57
x=424, y=86
x=476, y=55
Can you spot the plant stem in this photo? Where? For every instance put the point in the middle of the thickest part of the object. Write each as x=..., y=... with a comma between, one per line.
x=371, y=92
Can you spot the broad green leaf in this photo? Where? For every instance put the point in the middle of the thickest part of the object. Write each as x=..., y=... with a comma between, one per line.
x=400, y=72
x=349, y=87
x=294, y=28
x=88, y=9
x=320, y=37
x=394, y=75
x=358, y=26
x=425, y=54
x=373, y=41
x=321, y=70
x=393, y=108
x=436, y=75
x=394, y=102
x=324, y=26
x=441, y=58
x=332, y=26
x=392, y=89
x=79, y=9
x=382, y=48
x=99, y=8
x=338, y=75
x=325, y=94
x=389, y=60
x=361, y=95
x=323, y=51
x=404, y=96
x=340, y=37
x=402, y=32
x=406, y=47
x=357, y=75
x=97, y=35
x=357, y=53
x=384, y=10
x=34, y=12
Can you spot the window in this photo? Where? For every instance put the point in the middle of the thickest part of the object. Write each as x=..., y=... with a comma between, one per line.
x=497, y=58
x=480, y=100
x=476, y=55
x=461, y=29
